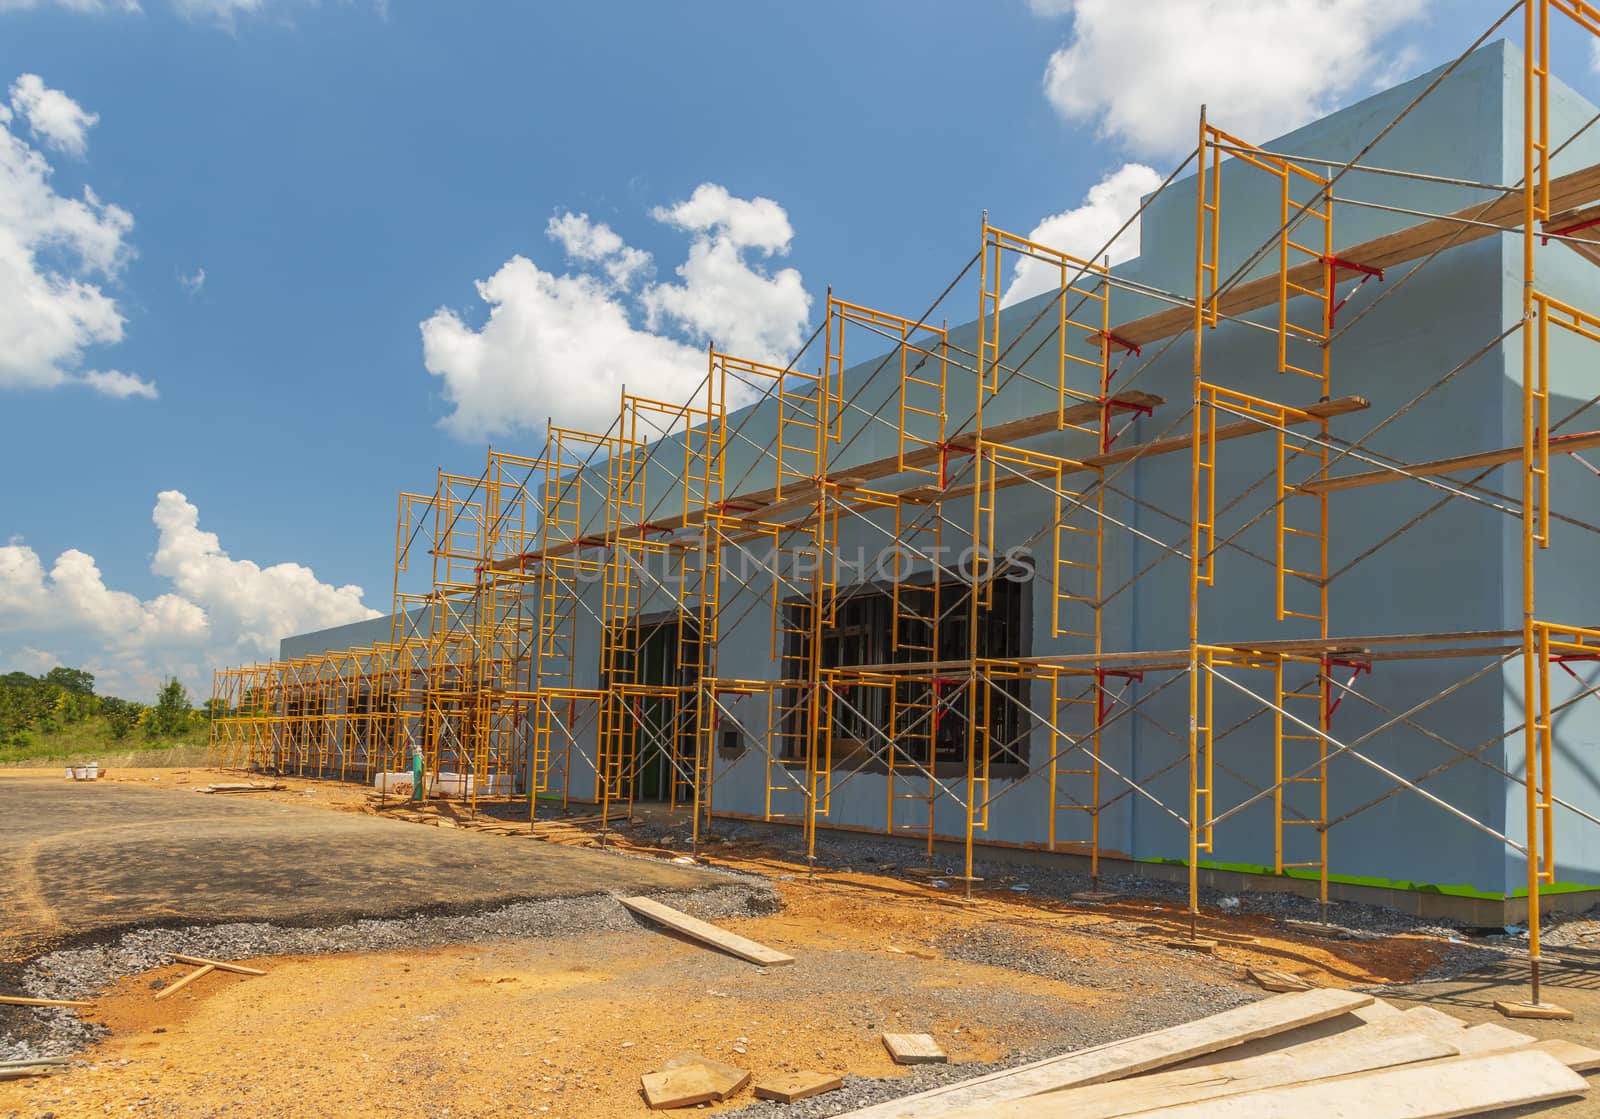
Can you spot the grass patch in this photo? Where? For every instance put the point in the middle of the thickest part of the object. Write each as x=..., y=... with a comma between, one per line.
x=90, y=741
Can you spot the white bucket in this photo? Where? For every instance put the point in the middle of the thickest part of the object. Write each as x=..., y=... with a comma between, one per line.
x=92, y=771
x=69, y=773
x=80, y=773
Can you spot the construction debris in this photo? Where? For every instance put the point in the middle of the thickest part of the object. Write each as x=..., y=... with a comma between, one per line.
x=184, y=982
x=1546, y=1011
x=32, y=1062
x=733, y=1079
x=788, y=1087
x=1278, y=981
x=241, y=787
x=914, y=1049
x=708, y=934
x=1383, y=1064
x=206, y=967
x=20, y=1072
x=18, y=1000
x=220, y=965
x=684, y=1086
x=1129, y=1057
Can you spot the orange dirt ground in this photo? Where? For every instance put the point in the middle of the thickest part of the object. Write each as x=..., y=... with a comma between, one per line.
x=565, y=1026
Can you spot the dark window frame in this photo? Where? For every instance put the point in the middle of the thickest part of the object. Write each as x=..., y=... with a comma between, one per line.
x=1006, y=633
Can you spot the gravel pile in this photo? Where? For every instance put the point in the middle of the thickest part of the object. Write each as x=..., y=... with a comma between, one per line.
x=81, y=972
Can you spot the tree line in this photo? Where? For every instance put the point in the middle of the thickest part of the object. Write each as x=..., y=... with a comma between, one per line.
x=31, y=706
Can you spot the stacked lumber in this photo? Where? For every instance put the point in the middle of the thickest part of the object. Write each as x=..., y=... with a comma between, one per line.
x=241, y=787
x=1317, y=1052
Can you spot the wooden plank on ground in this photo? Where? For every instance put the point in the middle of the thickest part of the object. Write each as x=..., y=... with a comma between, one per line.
x=30, y=1062
x=1362, y=1050
x=220, y=965
x=1128, y=1057
x=1269, y=980
x=790, y=1087
x=689, y=926
x=1578, y=1058
x=184, y=982
x=1544, y=1011
x=914, y=1049
x=681, y=1087
x=1431, y=1022
x=1380, y=1018
x=731, y=1077
x=1491, y=1037
x=1436, y=1090
x=19, y=1000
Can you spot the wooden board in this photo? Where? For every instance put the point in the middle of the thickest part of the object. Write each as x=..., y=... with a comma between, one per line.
x=184, y=982
x=1436, y=1090
x=788, y=1087
x=1129, y=1057
x=1490, y=1037
x=1579, y=1058
x=706, y=933
x=1361, y=1050
x=18, y=1000
x=914, y=1049
x=220, y=965
x=681, y=1087
x=31, y=1062
x=1544, y=1011
x=730, y=1077
x=1269, y=980
x=1380, y=1019
x=1412, y=243
x=1166, y=445
x=1432, y=1022
x=1559, y=445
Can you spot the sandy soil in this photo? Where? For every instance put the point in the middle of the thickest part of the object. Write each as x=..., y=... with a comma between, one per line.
x=565, y=1026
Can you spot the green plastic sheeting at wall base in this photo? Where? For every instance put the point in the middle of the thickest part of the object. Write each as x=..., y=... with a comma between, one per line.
x=1379, y=883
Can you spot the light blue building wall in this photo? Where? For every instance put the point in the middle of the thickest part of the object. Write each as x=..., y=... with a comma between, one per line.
x=1455, y=569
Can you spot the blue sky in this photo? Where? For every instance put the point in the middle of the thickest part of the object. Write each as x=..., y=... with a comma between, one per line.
x=339, y=172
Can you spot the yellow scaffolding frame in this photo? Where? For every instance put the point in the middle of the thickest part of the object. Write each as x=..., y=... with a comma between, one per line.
x=480, y=671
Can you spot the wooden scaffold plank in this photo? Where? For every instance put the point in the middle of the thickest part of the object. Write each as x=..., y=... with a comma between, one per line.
x=732, y=943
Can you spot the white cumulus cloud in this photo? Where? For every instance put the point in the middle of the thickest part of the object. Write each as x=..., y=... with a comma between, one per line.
x=724, y=298
x=121, y=385
x=220, y=610
x=563, y=344
x=1084, y=230
x=58, y=254
x=597, y=243
x=1140, y=71
x=54, y=117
